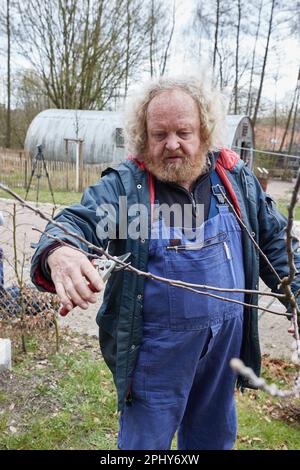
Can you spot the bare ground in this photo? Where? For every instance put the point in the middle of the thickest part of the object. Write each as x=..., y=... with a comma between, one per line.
x=273, y=329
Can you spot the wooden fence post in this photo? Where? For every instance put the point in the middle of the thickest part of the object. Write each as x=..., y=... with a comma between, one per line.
x=80, y=166
x=25, y=174
x=66, y=158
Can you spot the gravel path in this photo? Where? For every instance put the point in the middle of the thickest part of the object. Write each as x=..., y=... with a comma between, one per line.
x=273, y=329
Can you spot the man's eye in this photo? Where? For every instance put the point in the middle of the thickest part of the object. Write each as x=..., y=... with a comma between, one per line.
x=159, y=135
x=184, y=134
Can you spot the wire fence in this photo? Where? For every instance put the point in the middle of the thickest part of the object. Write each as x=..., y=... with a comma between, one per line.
x=16, y=168
x=279, y=165
x=22, y=306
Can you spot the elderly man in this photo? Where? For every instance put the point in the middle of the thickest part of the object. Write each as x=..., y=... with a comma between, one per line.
x=168, y=348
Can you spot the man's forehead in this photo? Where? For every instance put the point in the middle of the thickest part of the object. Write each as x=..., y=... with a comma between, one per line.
x=172, y=104
x=171, y=98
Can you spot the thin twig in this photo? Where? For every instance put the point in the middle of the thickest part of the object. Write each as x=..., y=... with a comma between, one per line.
x=158, y=278
x=125, y=265
x=289, y=236
x=249, y=234
x=173, y=282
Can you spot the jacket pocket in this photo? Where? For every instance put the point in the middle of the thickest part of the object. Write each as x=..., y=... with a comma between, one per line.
x=271, y=209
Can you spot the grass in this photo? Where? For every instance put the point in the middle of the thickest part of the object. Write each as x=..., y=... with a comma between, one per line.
x=282, y=206
x=64, y=401
x=67, y=401
x=262, y=428
x=61, y=197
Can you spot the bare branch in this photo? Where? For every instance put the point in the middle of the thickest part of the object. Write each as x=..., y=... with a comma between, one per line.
x=173, y=282
x=239, y=367
x=176, y=283
x=249, y=234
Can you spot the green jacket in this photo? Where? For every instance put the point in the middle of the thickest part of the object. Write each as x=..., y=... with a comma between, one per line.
x=120, y=317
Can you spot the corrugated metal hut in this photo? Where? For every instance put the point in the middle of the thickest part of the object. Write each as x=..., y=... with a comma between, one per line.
x=240, y=137
x=100, y=132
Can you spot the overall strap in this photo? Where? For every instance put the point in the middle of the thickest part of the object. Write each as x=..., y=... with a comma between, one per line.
x=217, y=201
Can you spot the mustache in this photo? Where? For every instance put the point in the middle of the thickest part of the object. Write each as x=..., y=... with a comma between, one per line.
x=174, y=154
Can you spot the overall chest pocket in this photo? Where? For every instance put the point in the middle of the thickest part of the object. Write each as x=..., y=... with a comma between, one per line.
x=209, y=265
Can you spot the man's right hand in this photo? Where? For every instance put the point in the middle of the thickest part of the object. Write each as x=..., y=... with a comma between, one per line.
x=71, y=272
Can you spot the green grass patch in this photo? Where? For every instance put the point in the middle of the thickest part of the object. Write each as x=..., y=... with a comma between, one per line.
x=61, y=197
x=282, y=206
x=263, y=424
x=68, y=401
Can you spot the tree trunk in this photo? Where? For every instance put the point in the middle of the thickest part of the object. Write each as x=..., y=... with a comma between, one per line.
x=262, y=76
x=295, y=116
x=166, y=54
x=151, y=45
x=249, y=100
x=216, y=33
x=128, y=40
x=8, y=111
x=237, y=58
x=287, y=125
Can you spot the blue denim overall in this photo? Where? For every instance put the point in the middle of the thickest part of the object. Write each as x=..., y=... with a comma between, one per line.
x=182, y=381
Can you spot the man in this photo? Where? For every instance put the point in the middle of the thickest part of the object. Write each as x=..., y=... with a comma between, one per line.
x=168, y=348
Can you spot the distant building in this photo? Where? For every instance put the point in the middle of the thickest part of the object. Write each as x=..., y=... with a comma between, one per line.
x=240, y=136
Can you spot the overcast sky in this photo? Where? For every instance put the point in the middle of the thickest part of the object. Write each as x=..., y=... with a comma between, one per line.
x=287, y=56
x=183, y=57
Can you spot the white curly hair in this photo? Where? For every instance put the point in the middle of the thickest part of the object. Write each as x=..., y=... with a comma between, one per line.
x=210, y=103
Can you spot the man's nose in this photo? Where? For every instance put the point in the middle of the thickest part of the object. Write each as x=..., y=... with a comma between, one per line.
x=172, y=142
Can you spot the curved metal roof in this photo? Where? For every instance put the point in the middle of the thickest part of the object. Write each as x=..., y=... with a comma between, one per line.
x=96, y=128
x=239, y=128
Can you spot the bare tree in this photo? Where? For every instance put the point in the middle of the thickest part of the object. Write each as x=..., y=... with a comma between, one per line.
x=219, y=26
x=262, y=75
x=8, y=85
x=295, y=114
x=248, y=106
x=289, y=117
x=166, y=52
x=79, y=48
x=216, y=35
x=237, y=50
x=160, y=32
x=137, y=32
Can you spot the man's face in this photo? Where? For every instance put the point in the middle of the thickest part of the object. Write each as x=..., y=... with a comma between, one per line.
x=173, y=129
